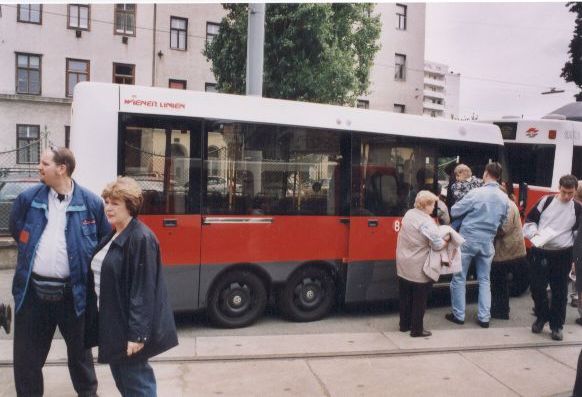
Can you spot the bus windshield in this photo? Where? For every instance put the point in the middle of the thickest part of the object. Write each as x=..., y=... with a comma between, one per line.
x=529, y=163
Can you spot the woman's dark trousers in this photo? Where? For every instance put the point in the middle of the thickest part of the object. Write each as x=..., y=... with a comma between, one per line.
x=413, y=297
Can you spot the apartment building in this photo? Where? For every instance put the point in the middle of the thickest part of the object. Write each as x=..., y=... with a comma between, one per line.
x=397, y=75
x=45, y=49
x=441, y=91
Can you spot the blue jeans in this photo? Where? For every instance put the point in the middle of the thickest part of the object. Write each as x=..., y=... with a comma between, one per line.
x=482, y=258
x=134, y=379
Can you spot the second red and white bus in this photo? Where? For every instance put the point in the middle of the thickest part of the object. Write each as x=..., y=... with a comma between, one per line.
x=540, y=151
x=252, y=198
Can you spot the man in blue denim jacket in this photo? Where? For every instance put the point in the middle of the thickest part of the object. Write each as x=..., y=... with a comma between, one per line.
x=56, y=224
x=483, y=210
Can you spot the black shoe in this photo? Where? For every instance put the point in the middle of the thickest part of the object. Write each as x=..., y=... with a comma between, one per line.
x=557, y=334
x=500, y=316
x=483, y=324
x=451, y=317
x=404, y=329
x=579, y=321
x=538, y=326
x=422, y=334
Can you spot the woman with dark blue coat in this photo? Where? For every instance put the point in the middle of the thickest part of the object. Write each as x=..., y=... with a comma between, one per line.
x=128, y=314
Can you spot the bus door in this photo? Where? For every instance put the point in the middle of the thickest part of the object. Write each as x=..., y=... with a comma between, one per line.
x=387, y=173
x=275, y=197
x=163, y=154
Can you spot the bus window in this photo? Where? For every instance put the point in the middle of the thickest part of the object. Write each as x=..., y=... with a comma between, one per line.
x=164, y=161
x=273, y=170
x=577, y=162
x=388, y=174
x=532, y=164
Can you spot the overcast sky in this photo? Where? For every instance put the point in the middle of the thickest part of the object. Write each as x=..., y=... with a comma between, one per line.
x=507, y=54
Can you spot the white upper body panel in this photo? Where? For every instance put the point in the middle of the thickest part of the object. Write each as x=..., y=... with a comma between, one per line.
x=96, y=107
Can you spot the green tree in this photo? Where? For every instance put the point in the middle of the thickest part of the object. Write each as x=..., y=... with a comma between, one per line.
x=572, y=70
x=313, y=52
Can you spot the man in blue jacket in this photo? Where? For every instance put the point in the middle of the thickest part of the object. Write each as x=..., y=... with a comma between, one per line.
x=483, y=210
x=56, y=224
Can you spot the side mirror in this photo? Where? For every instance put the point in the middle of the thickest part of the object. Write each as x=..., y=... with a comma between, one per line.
x=522, y=198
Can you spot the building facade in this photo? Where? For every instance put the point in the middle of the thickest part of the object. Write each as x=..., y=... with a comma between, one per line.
x=397, y=75
x=441, y=91
x=46, y=49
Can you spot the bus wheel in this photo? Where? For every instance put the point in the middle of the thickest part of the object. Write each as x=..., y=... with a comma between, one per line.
x=308, y=295
x=238, y=299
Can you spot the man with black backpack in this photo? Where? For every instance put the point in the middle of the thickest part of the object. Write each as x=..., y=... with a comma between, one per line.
x=551, y=227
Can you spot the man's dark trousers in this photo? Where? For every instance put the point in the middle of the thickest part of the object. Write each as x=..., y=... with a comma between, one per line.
x=550, y=267
x=34, y=327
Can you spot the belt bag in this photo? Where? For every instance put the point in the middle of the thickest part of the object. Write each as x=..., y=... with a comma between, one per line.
x=49, y=291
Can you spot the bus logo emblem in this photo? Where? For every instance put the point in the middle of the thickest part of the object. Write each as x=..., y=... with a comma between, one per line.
x=532, y=132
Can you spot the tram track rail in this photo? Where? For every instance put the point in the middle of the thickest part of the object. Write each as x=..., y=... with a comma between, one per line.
x=327, y=355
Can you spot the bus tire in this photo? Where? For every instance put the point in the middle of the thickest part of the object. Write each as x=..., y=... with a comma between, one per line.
x=237, y=299
x=308, y=295
x=519, y=279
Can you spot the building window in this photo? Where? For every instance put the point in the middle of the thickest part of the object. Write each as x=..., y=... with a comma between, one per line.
x=399, y=108
x=211, y=31
x=178, y=33
x=125, y=19
x=78, y=16
x=123, y=73
x=401, y=16
x=179, y=84
x=27, y=144
x=363, y=104
x=77, y=71
x=28, y=74
x=67, y=136
x=30, y=13
x=400, y=67
x=210, y=87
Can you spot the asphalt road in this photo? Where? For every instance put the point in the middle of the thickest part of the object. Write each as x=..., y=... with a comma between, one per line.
x=361, y=318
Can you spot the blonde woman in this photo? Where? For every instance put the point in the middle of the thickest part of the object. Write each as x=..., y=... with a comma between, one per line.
x=130, y=316
x=419, y=233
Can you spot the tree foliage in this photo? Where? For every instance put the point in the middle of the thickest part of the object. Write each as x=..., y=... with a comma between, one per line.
x=572, y=70
x=313, y=52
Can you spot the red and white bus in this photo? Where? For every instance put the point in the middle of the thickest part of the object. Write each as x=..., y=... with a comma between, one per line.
x=540, y=151
x=252, y=198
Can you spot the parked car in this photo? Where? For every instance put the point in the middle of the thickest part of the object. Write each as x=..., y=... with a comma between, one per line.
x=219, y=185
x=216, y=184
x=9, y=190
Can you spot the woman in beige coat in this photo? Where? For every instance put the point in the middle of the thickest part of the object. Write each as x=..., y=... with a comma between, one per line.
x=509, y=252
x=419, y=233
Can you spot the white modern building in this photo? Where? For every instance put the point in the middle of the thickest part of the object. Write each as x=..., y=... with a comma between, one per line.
x=45, y=49
x=441, y=91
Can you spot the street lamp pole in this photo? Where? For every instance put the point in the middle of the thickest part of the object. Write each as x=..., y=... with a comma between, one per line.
x=255, y=49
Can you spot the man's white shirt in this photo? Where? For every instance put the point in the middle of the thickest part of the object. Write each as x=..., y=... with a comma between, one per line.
x=51, y=258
